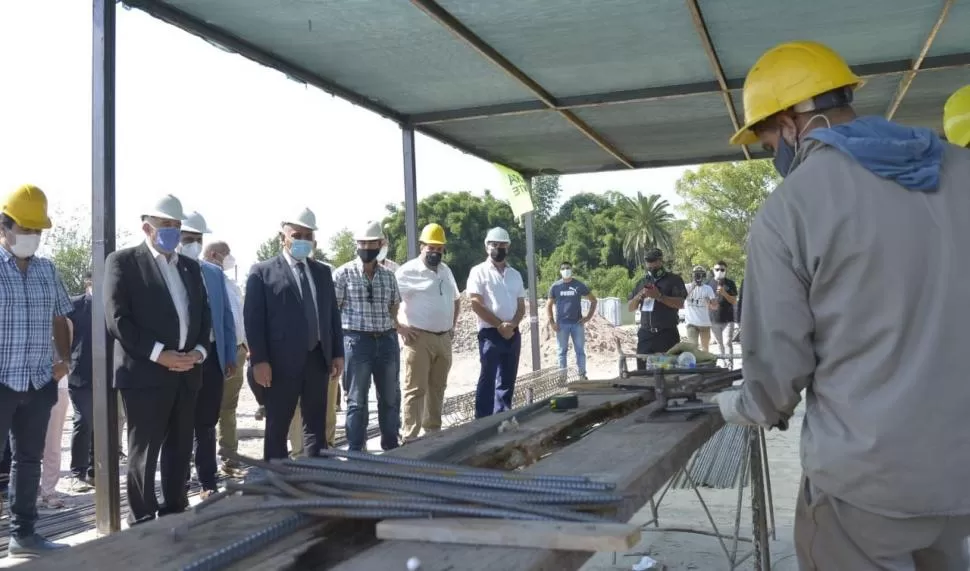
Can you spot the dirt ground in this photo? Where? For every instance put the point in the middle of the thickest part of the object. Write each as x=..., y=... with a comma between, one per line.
x=680, y=508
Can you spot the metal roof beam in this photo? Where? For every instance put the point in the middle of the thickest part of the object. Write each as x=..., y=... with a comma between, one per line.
x=910, y=75
x=701, y=27
x=453, y=25
x=878, y=69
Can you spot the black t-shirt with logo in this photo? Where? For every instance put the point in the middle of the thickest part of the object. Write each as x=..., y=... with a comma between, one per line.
x=663, y=316
x=725, y=311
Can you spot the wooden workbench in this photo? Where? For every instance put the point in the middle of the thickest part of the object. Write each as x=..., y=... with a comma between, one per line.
x=638, y=456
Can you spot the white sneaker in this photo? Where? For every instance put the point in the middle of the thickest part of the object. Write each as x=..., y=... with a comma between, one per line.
x=50, y=502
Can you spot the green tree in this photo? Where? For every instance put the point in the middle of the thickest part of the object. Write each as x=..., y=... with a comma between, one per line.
x=274, y=247
x=646, y=224
x=466, y=219
x=720, y=202
x=343, y=247
x=68, y=244
x=545, y=196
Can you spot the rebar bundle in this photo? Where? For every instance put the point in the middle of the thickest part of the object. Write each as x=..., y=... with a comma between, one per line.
x=718, y=463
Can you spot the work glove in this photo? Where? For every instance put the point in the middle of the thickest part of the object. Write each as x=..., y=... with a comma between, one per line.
x=727, y=402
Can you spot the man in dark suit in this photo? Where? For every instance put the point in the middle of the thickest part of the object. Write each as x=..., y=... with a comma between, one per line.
x=157, y=310
x=295, y=339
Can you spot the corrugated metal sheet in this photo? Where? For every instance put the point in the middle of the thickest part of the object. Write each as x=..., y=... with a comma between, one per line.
x=395, y=58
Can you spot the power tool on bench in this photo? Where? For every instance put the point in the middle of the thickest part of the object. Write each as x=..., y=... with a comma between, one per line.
x=679, y=401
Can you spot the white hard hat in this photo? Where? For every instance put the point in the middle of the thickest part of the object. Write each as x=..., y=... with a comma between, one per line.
x=167, y=207
x=306, y=219
x=370, y=231
x=498, y=235
x=194, y=222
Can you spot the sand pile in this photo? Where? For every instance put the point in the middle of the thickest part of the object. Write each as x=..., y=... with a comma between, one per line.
x=600, y=334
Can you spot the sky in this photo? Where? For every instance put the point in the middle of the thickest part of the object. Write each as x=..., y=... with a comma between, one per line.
x=240, y=143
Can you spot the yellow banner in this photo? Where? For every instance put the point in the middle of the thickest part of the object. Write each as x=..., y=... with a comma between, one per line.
x=518, y=190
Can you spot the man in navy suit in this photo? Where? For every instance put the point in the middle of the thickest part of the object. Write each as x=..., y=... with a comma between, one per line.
x=295, y=338
x=221, y=362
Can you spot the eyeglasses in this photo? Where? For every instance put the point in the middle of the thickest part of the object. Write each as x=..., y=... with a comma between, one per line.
x=718, y=269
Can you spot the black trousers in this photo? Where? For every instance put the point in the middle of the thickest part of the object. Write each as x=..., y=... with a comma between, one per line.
x=206, y=417
x=655, y=341
x=280, y=399
x=5, y=462
x=160, y=419
x=82, y=437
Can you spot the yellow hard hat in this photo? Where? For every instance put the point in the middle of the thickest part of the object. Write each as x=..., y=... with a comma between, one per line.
x=786, y=75
x=956, y=117
x=433, y=234
x=27, y=206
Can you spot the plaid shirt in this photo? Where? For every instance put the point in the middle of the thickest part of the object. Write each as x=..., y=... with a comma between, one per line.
x=29, y=302
x=365, y=304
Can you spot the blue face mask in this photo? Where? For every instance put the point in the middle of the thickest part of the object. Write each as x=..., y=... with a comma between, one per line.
x=167, y=239
x=300, y=249
x=784, y=157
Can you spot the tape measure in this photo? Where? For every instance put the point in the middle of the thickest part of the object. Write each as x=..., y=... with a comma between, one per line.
x=565, y=402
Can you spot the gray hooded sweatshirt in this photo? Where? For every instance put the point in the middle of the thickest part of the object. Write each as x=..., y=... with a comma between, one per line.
x=856, y=293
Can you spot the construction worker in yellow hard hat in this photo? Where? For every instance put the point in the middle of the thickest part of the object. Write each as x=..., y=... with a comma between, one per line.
x=956, y=117
x=428, y=313
x=852, y=269
x=35, y=353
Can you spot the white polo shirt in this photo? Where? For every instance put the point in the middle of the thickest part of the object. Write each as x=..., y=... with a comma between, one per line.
x=500, y=290
x=427, y=296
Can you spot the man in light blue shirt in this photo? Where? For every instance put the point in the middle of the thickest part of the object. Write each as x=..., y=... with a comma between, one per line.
x=566, y=295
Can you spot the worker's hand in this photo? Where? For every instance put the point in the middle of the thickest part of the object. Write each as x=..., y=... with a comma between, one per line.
x=176, y=361
x=61, y=369
x=230, y=370
x=651, y=291
x=263, y=374
x=727, y=402
x=720, y=291
x=586, y=320
x=506, y=330
x=554, y=326
x=337, y=367
x=406, y=332
x=196, y=356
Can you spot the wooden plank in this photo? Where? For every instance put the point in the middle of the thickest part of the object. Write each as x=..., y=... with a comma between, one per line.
x=638, y=455
x=567, y=536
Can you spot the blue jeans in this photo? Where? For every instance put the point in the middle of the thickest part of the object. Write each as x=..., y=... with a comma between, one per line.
x=576, y=332
x=500, y=365
x=25, y=417
x=377, y=354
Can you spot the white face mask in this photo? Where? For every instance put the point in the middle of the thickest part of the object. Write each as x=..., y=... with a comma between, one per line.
x=719, y=273
x=566, y=274
x=228, y=263
x=26, y=245
x=192, y=250
x=382, y=255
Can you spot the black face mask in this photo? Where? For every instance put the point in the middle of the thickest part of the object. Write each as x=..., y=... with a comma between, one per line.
x=366, y=255
x=432, y=258
x=498, y=254
x=657, y=273
x=698, y=278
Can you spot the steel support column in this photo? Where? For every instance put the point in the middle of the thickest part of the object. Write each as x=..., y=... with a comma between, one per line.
x=410, y=193
x=107, y=494
x=530, y=260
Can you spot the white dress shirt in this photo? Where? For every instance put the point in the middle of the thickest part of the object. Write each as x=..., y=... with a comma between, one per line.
x=236, y=305
x=296, y=275
x=500, y=290
x=428, y=296
x=180, y=299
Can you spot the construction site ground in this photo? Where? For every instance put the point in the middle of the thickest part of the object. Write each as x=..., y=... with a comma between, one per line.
x=680, y=508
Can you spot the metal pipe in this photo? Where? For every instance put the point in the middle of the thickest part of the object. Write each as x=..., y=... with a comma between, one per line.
x=515, y=485
x=771, y=501
x=410, y=192
x=457, y=468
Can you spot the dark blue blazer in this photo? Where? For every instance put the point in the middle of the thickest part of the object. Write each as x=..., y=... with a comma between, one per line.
x=273, y=314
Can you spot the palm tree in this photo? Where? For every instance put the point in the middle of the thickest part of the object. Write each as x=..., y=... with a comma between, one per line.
x=646, y=224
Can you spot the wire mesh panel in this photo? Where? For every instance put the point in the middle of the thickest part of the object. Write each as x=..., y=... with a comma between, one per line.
x=530, y=387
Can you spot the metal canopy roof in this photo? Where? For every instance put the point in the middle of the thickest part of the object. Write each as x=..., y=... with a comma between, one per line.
x=567, y=86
